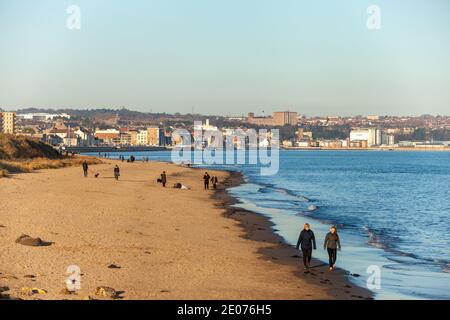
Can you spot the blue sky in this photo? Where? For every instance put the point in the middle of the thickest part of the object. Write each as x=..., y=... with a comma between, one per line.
x=227, y=57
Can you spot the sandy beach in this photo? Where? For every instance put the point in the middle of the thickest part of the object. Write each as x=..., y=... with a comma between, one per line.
x=165, y=243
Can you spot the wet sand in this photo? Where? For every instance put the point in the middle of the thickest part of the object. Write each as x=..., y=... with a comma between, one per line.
x=165, y=243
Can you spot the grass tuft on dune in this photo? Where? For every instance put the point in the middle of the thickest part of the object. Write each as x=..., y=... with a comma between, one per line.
x=21, y=154
x=19, y=147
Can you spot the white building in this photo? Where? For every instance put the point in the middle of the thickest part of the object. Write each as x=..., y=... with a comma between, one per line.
x=206, y=127
x=142, y=138
x=85, y=137
x=371, y=135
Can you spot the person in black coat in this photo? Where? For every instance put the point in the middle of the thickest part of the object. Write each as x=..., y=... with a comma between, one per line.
x=85, y=168
x=163, y=178
x=332, y=244
x=116, y=172
x=214, y=182
x=307, y=242
x=206, y=179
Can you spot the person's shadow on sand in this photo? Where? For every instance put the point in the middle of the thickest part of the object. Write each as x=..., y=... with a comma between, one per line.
x=318, y=265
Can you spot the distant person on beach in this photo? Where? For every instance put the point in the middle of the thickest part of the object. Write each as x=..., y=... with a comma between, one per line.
x=307, y=242
x=332, y=244
x=85, y=168
x=206, y=179
x=116, y=172
x=214, y=182
x=163, y=178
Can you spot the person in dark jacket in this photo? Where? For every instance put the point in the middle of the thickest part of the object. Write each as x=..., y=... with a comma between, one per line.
x=85, y=168
x=116, y=172
x=206, y=179
x=307, y=242
x=332, y=244
x=163, y=178
x=214, y=182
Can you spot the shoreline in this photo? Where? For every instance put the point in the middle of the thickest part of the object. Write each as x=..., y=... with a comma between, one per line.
x=227, y=253
x=259, y=228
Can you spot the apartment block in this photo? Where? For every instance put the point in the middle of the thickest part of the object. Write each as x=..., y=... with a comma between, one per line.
x=8, y=122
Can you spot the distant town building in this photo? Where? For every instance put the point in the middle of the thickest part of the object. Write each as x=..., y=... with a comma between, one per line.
x=301, y=134
x=40, y=116
x=155, y=136
x=359, y=144
x=108, y=136
x=207, y=126
x=332, y=144
x=285, y=118
x=71, y=141
x=430, y=145
x=85, y=137
x=387, y=139
x=407, y=130
x=8, y=122
x=53, y=140
x=371, y=135
x=142, y=138
x=277, y=119
x=304, y=143
x=152, y=136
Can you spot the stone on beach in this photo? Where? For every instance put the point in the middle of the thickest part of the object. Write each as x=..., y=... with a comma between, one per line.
x=106, y=292
x=4, y=289
x=26, y=240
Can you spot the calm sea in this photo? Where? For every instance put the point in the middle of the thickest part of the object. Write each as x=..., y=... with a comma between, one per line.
x=392, y=210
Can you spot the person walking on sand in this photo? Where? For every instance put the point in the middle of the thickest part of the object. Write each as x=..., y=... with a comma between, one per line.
x=85, y=168
x=163, y=179
x=206, y=179
x=332, y=244
x=214, y=182
x=116, y=172
x=307, y=242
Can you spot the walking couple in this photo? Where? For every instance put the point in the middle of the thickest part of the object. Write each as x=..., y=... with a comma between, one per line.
x=307, y=242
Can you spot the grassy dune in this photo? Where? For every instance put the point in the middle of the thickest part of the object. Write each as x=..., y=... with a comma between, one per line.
x=22, y=154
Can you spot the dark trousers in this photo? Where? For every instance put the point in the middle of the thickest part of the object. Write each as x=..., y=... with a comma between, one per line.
x=85, y=173
x=206, y=185
x=332, y=256
x=307, y=254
